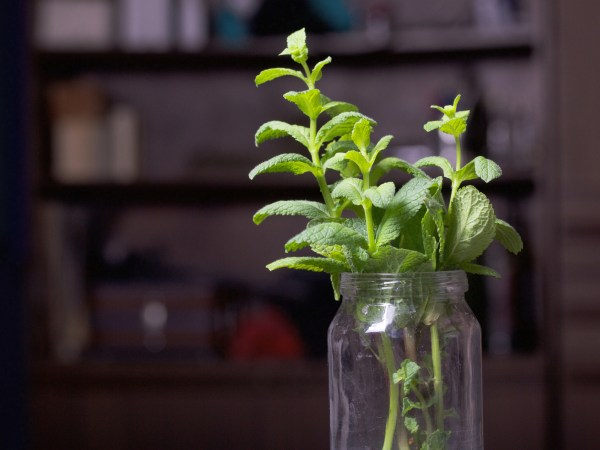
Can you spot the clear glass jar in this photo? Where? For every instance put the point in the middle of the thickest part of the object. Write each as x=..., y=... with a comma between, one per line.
x=405, y=364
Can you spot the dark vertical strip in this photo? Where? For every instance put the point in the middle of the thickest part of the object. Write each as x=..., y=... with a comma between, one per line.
x=13, y=204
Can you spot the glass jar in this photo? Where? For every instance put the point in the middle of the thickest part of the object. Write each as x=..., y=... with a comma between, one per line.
x=405, y=364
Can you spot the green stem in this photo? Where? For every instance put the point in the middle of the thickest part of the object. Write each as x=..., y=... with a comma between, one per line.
x=319, y=175
x=390, y=426
x=436, y=356
x=370, y=227
x=455, y=182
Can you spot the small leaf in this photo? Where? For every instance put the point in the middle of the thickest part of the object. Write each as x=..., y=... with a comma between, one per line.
x=433, y=125
x=508, y=237
x=296, y=46
x=316, y=72
x=471, y=227
x=311, y=263
x=486, y=169
x=381, y=145
x=390, y=259
x=309, y=209
x=333, y=108
x=359, y=159
x=454, y=127
x=350, y=189
x=286, y=162
x=438, y=161
x=478, y=269
x=276, y=129
x=382, y=195
x=309, y=102
x=339, y=126
x=361, y=135
x=328, y=233
x=277, y=72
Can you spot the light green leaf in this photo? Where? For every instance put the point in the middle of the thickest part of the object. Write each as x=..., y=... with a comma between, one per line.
x=333, y=108
x=478, y=269
x=486, y=169
x=296, y=46
x=454, y=127
x=276, y=129
x=471, y=227
x=286, y=162
x=309, y=102
x=405, y=204
x=309, y=209
x=317, y=70
x=436, y=440
x=382, y=195
x=359, y=159
x=350, y=189
x=340, y=125
x=433, y=125
x=272, y=74
x=508, y=237
x=438, y=161
x=411, y=425
x=311, y=263
x=361, y=135
x=381, y=145
x=408, y=405
x=328, y=233
x=408, y=374
x=392, y=163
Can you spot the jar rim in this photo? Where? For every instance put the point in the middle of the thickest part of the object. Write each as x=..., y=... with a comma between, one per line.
x=439, y=284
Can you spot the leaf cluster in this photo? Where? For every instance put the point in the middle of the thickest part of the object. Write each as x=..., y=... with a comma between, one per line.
x=364, y=224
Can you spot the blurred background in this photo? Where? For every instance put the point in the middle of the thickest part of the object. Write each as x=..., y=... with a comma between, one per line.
x=136, y=310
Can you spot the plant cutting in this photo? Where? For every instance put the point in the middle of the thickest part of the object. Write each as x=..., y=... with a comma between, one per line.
x=404, y=348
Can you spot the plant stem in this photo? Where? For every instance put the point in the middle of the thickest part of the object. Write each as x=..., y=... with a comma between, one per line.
x=436, y=357
x=390, y=426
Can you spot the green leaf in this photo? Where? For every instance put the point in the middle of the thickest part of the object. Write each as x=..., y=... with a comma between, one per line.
x=296, y=46
x=471, y=227
x=392, y=163
x=309, y=209
x=277, y=72
x=454, y=127
x=333, y=108
x=317, y=70
x=340, y=125
x=276, y=129
x=361, y=135
x=405, y=205
x=309, y=102
x=311, y=263
x=382, y=195
x=408, y=405
x=438, y=161
x=388, y=259
x=508, y=236
x=436, y=440
x=286, y=162
x=411, y=425
x=478, y=269
x=359, y=159
x=408, y=374
x=433, y=125
x=381, y=145
x=486, y=169
x=328, y=233
x=350, y=189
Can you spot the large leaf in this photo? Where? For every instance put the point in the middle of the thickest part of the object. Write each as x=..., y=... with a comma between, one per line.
x=390, y=259
x=309, y=209
x=486, y=169
x=438, y=161
x=471, y=227
x=392, y=163
x=286, y=162
x=340, y=125
x=276, y=129
x=508, y=237
x=478, y=269
x=328, y=233
x=311, y=263
x=277, y=72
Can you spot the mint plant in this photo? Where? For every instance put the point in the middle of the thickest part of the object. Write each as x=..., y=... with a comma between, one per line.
x=367, y=225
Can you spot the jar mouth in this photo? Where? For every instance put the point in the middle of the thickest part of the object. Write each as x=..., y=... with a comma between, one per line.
x=443, y=285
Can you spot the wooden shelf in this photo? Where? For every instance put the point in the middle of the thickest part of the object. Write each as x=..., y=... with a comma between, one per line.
x=197, y=193
x=405, y=47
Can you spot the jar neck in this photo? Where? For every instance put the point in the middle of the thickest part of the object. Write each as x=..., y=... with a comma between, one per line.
x=427, y=286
